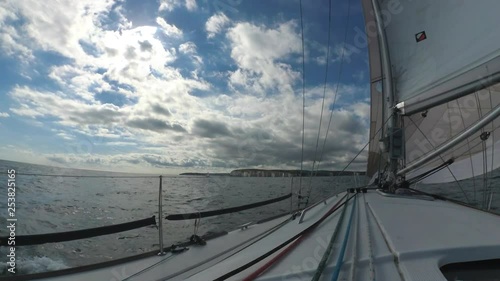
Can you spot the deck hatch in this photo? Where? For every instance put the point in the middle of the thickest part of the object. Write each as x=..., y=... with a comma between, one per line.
x=484, y=270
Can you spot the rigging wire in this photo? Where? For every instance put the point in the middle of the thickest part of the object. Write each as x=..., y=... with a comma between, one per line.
x=339, y=76
x=492, y=148
x=303, y=100
x=350, y=162
x=287, y=242
x=329, y=248
x=430, y=172
x=433, y=147
x=361, y=150
x=324, y=95
x=340, y=259
x=485, y=169
x=470, y=156
x=476, y=145
x=283, y=253
x=485, y=174
x=458, y=147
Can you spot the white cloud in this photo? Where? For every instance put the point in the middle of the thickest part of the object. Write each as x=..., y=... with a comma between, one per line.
x=9, y=38
x=130, y=56
x=58, y=27
x=69, y=111
x=344, y=52
x=260, y=54
x=76, y=32
x=187, y=48
x=361, y=109
x=191, y=5
x=216, y=23
x=120, y=143
x=4, y=115
x=79, y=80
x=359, y=76
x=63, y=134
x=170, y=5
x=169, y=29
x=158, y=116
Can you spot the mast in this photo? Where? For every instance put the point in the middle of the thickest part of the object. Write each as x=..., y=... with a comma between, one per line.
x=393, y=136
x=432, y=78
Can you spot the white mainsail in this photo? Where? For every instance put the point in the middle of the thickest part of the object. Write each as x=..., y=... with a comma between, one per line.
x=443, y=63
x=437, y=48
x=377, y=106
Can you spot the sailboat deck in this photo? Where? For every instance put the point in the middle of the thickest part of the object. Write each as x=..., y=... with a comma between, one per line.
x=391, y=238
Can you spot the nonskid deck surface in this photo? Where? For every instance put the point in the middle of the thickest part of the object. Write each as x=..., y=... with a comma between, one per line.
x=390, y=238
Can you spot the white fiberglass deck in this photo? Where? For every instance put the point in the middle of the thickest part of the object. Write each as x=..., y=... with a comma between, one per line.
x=391, y=238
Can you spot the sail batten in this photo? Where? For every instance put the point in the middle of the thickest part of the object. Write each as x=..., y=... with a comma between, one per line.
x=479, y=78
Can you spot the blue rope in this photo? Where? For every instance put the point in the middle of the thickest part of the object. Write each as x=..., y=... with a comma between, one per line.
x=329, y=248
x=340, y=260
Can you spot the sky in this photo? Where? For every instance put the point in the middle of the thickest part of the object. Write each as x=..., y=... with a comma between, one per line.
x=181, y=85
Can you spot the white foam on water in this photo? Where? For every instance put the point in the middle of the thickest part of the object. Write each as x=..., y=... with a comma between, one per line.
x=34, y=265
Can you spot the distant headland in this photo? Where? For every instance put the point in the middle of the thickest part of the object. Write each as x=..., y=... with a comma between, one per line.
x=205, y=174
x=276, y=173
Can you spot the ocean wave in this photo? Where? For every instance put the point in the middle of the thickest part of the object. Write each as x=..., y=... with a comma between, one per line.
x=34, y=265
x=195, y=199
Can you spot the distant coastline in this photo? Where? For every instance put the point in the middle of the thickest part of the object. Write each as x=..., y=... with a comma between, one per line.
x=276, y=173
x=204, y=174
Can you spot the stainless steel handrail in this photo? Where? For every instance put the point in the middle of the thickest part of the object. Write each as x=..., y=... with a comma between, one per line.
x=160, y=217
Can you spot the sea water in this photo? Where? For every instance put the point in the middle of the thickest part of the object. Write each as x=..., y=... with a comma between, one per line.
x=47, y=204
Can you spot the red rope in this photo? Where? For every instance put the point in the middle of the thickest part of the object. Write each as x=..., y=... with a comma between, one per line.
x=290, y=247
